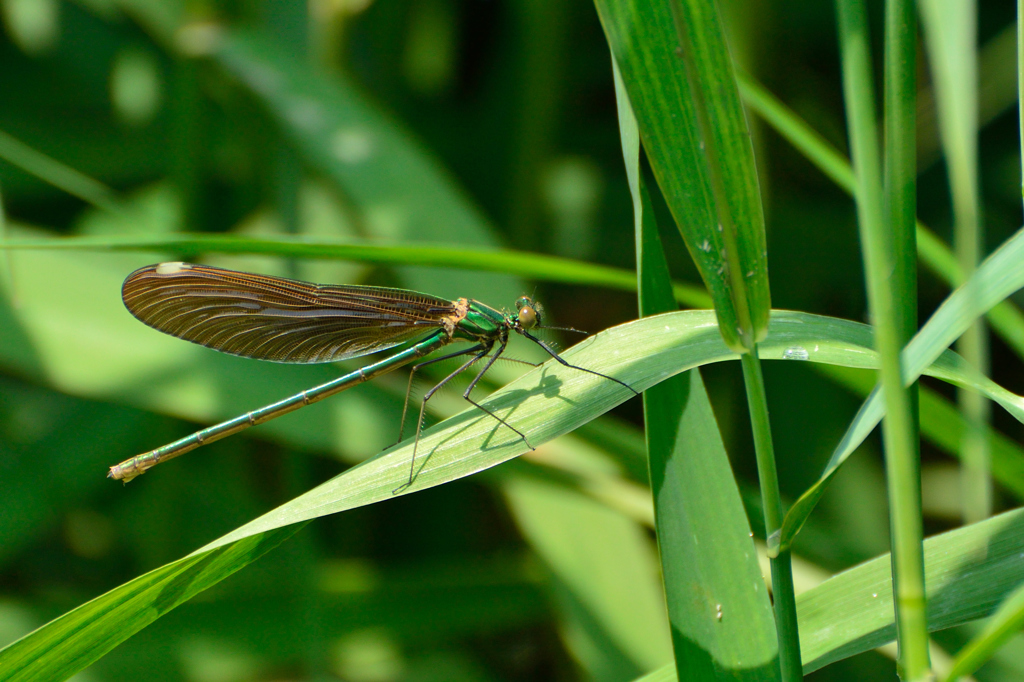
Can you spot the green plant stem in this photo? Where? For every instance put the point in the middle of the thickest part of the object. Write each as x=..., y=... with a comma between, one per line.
x=782, y=571
x=1005, y=318
x=8, y=263
x=968, y=236
x=951, y=34
x=537, y=266
x=57, y=174
x=900, y=190
x=900, y=194
x=976, y=458
x=901, y=165
x=897, y=430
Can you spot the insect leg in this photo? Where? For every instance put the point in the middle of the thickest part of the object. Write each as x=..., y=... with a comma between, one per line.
x=472, y=385
x=483, y=349
x=416, y=367
x=556, y=356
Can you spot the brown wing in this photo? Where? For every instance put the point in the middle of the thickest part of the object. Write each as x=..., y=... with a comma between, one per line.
x=277, y=319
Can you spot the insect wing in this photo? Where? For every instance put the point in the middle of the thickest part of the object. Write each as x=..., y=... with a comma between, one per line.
x=277, y=319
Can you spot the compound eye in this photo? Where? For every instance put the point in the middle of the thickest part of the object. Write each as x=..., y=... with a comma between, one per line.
x=528, y=318
x=529, y=312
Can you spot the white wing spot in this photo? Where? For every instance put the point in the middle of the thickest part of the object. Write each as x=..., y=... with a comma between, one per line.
x=172, y=268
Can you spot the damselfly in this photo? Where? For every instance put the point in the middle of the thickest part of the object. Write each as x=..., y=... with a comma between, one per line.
x=285, y=320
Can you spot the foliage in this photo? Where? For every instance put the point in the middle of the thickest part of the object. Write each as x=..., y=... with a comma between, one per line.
x=476, y=149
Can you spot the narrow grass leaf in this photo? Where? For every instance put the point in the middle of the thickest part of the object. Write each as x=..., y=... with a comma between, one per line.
x=995, y=279
x=703, y=534
x=534, y=266
x=59, y=175
x=943, y=425
x=968, y=572
x=678, y=74
x=1005, y=623
x=80, y=637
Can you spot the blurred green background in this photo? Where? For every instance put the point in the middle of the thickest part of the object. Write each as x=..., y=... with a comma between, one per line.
x=476, y=123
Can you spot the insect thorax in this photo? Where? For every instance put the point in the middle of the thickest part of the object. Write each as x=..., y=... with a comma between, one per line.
x=479, y=322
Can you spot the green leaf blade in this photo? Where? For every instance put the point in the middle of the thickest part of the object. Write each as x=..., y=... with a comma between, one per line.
x=704, y=537
x=706, y=172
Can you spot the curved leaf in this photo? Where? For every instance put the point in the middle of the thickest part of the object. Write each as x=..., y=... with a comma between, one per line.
x=998, y=277
x=546, y=402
